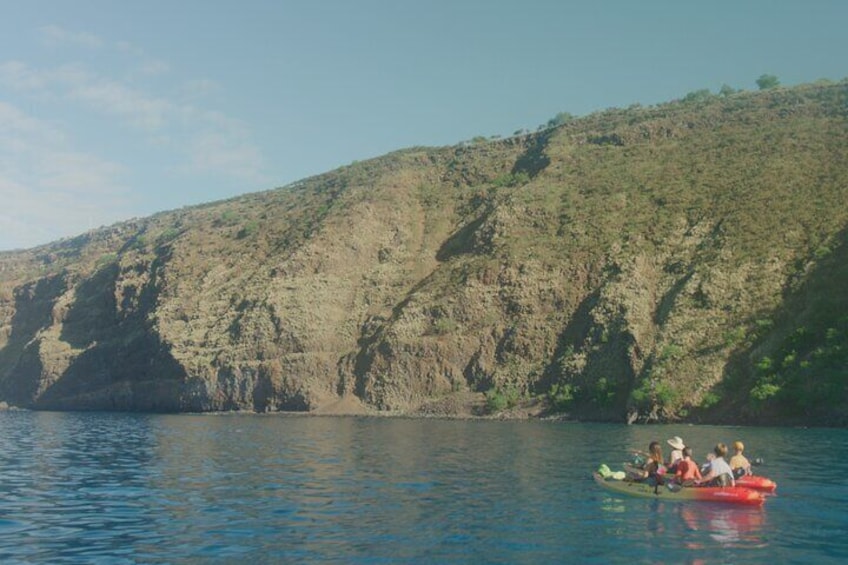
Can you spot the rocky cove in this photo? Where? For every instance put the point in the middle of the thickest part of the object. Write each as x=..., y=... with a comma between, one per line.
x=683, y=262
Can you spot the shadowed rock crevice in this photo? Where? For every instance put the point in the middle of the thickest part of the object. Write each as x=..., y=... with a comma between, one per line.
x=21, y=367
x=666, y=304
x=461, y=242
x=147, y=377
x=34, y=305
x=534, y=160
x=92, y=316
x=570, y=340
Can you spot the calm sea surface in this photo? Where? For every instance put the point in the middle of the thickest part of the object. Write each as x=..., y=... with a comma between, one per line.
x=128, y=488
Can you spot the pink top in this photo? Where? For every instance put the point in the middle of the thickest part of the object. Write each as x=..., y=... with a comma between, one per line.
x=687, y=470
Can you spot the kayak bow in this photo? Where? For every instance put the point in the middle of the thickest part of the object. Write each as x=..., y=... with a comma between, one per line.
x=756, y=482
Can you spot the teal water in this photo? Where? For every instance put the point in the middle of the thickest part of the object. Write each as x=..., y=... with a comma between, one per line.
x=129, y=488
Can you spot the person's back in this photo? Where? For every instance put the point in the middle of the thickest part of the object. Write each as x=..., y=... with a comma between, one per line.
x=653, y=469
x=723, y=472
x=720, y=472
x=739, y=463
x=676, y=454
x=687, y=470
x=705, y=468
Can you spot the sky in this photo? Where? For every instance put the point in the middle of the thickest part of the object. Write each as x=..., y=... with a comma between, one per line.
x=111, y=110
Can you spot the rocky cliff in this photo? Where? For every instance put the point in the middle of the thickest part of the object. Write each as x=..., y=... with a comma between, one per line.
x=680, y=262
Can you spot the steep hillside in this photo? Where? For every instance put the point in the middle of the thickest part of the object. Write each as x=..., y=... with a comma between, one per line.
x=685, y=261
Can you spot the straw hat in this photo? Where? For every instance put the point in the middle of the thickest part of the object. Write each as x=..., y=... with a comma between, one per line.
x=676, y=442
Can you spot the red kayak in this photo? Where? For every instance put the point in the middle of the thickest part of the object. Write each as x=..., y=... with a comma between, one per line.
x=756, y=482
x=732, y=495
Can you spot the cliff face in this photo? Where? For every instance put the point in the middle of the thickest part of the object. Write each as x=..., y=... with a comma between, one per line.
x=635, y=264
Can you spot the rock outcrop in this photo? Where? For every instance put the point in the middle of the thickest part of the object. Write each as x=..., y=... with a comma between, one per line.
x=633, y=265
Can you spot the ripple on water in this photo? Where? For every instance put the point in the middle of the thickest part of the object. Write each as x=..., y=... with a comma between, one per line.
x=134, y=488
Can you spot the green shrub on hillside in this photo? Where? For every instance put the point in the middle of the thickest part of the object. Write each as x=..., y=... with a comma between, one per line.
x=560, y=119
x=512, y=179
x=167, y=236
x=812, y=371
x=444, y=326
x=139, y=243
x=735, y=336
x=709, y=400
x=727, y=90
x=696, y=96
x=653, y=393
x=248, y=229
x=499, y=399
x=671, y=351
x=226, y=218
x=561, y=397
x=107, y=259
x=767, y=81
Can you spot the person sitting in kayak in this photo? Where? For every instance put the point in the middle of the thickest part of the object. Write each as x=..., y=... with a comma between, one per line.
x=676, y=454
x=687, y=472
x=653, y=469
x=705, y=467
x=720, y=474
x=739, y=463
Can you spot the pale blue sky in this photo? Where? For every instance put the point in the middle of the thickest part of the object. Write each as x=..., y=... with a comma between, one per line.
x=111, y=110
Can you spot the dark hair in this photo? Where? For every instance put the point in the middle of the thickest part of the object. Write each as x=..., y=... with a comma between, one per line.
x=655, y=451
x=720, y=450
x=687, y=451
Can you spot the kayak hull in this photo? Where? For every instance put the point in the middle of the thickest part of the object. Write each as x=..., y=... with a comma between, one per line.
x=756, y=482
x=726, y=495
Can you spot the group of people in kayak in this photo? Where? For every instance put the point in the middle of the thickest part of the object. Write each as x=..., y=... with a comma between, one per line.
x=680, y=468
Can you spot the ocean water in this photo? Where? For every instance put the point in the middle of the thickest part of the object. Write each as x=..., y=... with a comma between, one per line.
x=131, y=488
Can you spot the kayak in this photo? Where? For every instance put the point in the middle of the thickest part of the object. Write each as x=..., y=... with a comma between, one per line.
x=756, y=482
x=733, y=495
